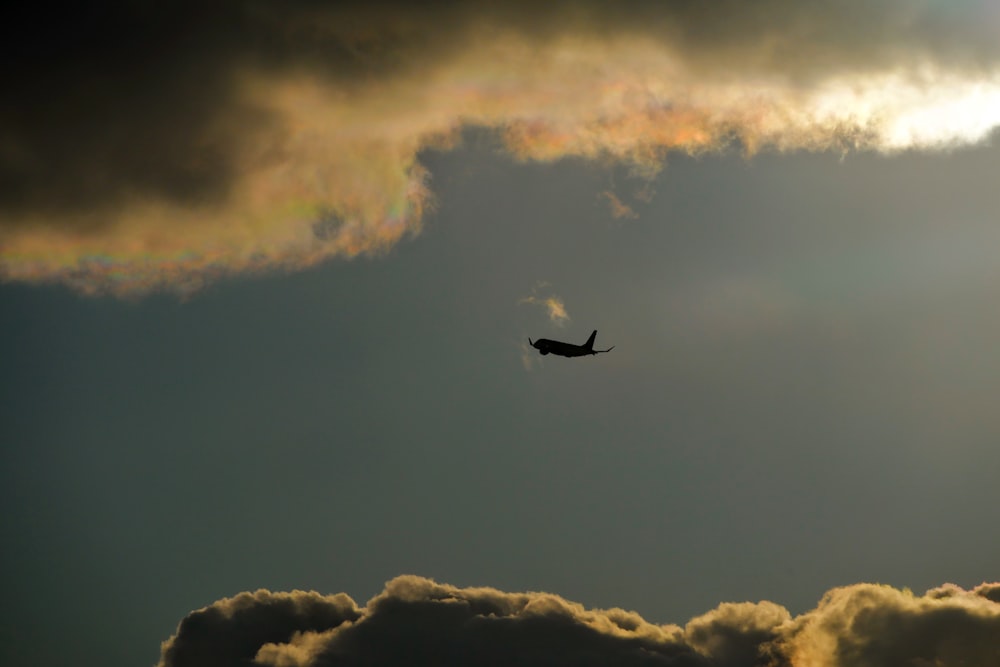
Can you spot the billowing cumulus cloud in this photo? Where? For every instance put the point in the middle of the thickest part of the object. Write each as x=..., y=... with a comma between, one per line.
x=156, y=146
x=231, y=631
x=416, y=621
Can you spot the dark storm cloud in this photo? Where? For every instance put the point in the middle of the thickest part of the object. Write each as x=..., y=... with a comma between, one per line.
x=149, y=145
x=416, y=621
x=114, y=100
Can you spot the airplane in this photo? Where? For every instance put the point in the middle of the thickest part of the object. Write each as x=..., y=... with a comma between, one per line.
x=545, y=346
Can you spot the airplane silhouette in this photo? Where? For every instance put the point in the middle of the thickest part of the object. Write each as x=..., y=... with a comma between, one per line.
x=545, y=346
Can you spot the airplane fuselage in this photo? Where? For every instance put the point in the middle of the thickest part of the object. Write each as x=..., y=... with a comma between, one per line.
x=547, y=346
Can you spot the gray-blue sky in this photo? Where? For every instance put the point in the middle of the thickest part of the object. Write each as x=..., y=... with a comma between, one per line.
x=800, y=397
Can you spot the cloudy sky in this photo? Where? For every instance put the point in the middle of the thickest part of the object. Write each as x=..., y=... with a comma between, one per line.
x=268, y=274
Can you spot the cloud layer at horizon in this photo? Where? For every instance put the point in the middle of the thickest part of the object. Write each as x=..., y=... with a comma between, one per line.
x=418, y=621
x=160, y=147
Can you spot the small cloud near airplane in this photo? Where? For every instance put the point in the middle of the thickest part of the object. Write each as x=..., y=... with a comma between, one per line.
x=553, y=305
x=619, y=209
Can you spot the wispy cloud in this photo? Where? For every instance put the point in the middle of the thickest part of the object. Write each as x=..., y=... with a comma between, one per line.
x=619, y=209
x=417, y=621
x=196, y=144
x=554, y=306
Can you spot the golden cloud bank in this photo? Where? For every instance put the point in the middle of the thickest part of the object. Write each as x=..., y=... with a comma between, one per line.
x=416, y=621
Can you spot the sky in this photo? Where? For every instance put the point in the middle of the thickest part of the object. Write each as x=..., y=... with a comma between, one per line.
x=267, y=277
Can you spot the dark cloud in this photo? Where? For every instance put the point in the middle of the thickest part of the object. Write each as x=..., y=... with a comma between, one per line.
x=989, y=591
x=736, y=634
x=231, y=631
x=416, y=621
x=150, y=145
x=109, y=102
x=105, y=102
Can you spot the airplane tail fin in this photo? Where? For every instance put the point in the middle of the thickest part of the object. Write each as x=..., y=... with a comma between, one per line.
x=590, y=341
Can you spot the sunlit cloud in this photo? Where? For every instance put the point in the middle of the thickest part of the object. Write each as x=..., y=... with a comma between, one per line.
x=555, y=308
x=418, y=621
x=619, y=209
x=287, y=136
x=553, y=305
